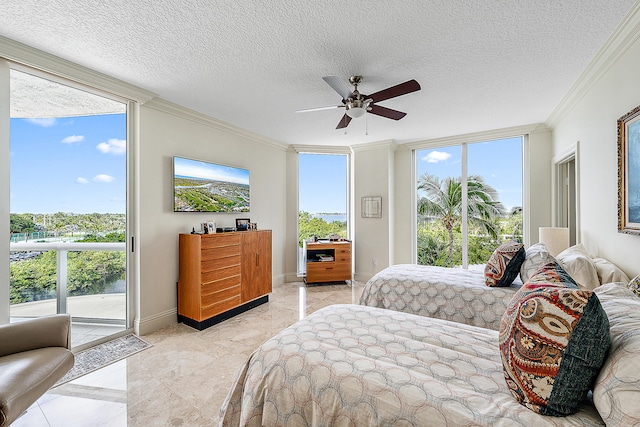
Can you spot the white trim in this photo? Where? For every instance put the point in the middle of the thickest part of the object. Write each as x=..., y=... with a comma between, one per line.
x=155, y=322
x=188, y=114
x=620, y=41
x=320, y=149
x=5, y=189
x=31, y=57
x=387, y=143
x=477, y=136
x=526, y=191
x=571, y=153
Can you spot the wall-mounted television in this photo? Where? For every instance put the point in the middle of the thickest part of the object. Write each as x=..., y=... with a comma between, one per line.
x=200, y=186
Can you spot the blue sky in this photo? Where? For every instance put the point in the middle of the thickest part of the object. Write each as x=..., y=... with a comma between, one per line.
x=322, y=183
x=75, y=164
x=498, y=162
x=78, y=164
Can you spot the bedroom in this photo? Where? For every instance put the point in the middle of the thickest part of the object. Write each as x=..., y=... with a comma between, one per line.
x=588, y=115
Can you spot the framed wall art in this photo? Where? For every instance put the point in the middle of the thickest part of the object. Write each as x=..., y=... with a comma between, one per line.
x=371, y=207
x=629, y=172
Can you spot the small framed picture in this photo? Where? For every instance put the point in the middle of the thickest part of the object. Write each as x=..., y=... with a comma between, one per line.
x=242, y=224
x=253, y=226
x=211, y=227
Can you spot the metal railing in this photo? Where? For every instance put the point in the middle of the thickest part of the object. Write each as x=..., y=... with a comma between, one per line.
x=63, y=248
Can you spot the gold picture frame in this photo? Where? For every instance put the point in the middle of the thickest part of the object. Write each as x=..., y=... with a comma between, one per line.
x=629, y=172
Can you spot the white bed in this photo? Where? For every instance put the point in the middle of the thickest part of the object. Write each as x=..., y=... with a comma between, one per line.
x=455, y=294
x=351, y=365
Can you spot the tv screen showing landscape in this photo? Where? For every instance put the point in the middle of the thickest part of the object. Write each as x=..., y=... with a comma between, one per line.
x=200, y=186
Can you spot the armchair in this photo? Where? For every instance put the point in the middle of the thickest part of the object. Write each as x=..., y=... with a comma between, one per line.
x=34, y=355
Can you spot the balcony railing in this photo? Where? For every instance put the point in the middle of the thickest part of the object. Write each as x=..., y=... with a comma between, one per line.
x=63, y=248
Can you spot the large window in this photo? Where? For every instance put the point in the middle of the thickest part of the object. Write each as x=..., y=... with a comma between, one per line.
x=68, y=180
x=469, y=201
x=322, y=198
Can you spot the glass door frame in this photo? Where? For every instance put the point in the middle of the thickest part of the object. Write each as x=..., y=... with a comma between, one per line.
x=132, y=223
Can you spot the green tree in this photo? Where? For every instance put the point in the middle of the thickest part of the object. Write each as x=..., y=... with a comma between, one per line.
x=309, y=226
x=443, y=204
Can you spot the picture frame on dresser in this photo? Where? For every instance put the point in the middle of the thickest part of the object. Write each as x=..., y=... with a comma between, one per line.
x=242, y=224
x=629, y=172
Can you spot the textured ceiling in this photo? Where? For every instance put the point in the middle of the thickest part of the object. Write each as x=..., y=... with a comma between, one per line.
x=482, y=64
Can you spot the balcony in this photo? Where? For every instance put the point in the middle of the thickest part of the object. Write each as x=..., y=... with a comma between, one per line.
x=94, y=316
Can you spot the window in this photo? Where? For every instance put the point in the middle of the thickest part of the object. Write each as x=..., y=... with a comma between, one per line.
x=322, y=198
x=469, y=200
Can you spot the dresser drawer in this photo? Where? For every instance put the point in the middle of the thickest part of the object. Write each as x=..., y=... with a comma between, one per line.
x=219, y=296
x=220, y=252
x=221, y=273
x=207, y=265
x=219, y=285
x=219, y=240
x=220, y=307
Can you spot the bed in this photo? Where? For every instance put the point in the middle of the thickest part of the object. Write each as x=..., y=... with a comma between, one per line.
x=461, y=295
x=353, y=365
x=455, y=294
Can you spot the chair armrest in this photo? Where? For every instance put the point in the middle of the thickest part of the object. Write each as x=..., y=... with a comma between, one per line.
x=48, y=331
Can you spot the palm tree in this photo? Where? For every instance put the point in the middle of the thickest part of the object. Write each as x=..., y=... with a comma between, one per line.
x=443, y=202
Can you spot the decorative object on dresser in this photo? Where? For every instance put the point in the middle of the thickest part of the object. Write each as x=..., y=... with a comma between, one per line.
x=328, y=261
x=222, y=275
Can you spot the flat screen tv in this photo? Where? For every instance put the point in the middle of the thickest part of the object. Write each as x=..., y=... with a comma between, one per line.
x=200, y=186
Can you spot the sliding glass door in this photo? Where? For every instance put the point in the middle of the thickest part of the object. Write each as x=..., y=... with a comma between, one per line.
x=68, y=181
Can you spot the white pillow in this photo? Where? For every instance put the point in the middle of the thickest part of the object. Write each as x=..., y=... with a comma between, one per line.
x=535, y=257
x=577, y=262
x=609, y=272
x=615, y=391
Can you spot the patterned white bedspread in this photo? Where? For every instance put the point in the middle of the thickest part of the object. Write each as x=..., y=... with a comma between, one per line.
x=351, y=365
x=454, y=294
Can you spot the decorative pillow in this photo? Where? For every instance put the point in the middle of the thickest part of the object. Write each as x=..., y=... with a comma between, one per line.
x=535, y=257
x=608, y=272
x=553, y=272
x=553, y=341
x=577, y=262
x=615, y=391
x=504, y=265
x=634, y=285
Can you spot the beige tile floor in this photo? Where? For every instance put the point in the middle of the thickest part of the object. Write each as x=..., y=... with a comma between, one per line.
x=184, y=377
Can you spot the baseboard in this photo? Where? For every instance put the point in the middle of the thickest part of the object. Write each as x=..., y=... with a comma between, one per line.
x=157, y=321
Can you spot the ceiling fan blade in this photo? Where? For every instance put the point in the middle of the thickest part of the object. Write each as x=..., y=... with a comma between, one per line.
x=344, y=122
x=338, y=85
x=329, y=107
x=397, y=90
x=386, y=112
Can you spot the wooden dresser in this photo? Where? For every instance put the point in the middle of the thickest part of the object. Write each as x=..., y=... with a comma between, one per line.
x=222, y=275
x=328, y=261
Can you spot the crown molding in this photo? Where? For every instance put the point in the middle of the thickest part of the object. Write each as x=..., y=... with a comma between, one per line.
x=620, y=41
x=321, y=149
x=478, y=136
x=37, y=59
x=188, y=114
x=389, y=144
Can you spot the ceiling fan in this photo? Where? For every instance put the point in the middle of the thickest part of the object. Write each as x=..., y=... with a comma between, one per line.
x=357, y=104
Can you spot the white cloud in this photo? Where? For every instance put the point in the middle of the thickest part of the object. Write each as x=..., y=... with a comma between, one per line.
x=82, y=180
x=73, y=138
x=436, y=156
x=113, y=146
x=103, y=178
x=42, y=122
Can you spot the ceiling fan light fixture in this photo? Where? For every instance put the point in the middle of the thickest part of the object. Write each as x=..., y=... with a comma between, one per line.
x=355, y=112
x=357, y=107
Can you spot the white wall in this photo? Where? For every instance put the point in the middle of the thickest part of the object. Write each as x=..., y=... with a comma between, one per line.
x=373, y=166
x=167, y=130
x=608, y=90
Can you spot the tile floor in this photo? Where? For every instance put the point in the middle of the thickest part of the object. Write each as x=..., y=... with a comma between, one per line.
x=183, y=379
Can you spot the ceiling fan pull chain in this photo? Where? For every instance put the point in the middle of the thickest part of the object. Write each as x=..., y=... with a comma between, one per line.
x=366, y=125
